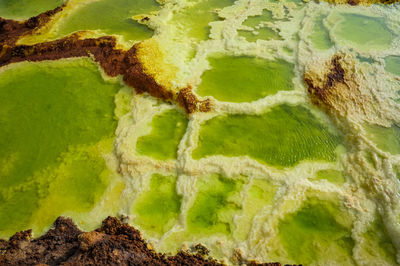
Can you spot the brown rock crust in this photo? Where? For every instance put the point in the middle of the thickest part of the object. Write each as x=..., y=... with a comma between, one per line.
x=12, y=30
x=335, y=87
x=115, y=243
x=191, y=103
x=322, y=91
x=135, y=76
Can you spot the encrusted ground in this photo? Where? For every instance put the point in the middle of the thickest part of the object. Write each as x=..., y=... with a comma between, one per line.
x=266, y=131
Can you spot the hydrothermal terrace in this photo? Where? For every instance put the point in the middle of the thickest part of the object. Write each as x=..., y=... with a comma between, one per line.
x=266, y=131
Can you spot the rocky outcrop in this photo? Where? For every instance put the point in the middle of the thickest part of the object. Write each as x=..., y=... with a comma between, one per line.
x=115, y=243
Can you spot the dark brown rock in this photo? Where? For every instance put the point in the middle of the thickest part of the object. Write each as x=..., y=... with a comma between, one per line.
x=115, y=243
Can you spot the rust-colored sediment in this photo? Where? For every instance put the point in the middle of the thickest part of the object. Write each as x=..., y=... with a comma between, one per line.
x=335, y=88
x=343, y=88
x=135, y=77
x=11, y=30
x=321, y=91
x=114, y=61
x=115, y=243
x=191, y=103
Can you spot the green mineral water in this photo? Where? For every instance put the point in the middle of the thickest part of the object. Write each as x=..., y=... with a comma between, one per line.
x=21, y=10
x=267, y=174
x=57, y=121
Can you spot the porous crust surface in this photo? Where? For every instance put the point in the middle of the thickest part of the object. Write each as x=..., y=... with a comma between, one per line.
x=114, y=243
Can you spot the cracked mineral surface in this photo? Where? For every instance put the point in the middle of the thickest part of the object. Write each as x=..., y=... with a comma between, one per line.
x=249, y=130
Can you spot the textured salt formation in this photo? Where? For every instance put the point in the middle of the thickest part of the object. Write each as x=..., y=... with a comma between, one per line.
x=338, y=201
x=364, y=107
x=308, y=201
x=256, y=27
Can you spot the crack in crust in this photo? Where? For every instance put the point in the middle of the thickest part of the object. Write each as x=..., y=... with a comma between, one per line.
x=113, y=61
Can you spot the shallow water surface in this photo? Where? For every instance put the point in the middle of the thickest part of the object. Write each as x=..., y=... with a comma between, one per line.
x=23, y=9
x=284, y=136
x=110, y=17
x=364, y=31
x=53, y=139
x=245, y=79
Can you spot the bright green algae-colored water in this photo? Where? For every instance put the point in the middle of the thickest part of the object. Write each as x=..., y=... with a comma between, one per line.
x=158, y=207
x=378, y=243
x=66, y=172
x=162, y=143
x=218, y=208
x=364, y=31
x=193, y=21
x=111, y=17
x=214, y=207
x=263, y=33
x=386, y=138
x=254, y=21
x=283, y=136
x=57, y=121
x=23, y=9
x=320, y=35
x=260, y=195
x=314, y=234
x=331, y=175
x=245, y=79
x=392, y=64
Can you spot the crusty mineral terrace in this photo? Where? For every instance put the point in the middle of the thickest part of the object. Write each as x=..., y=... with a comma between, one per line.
x=300, y=169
